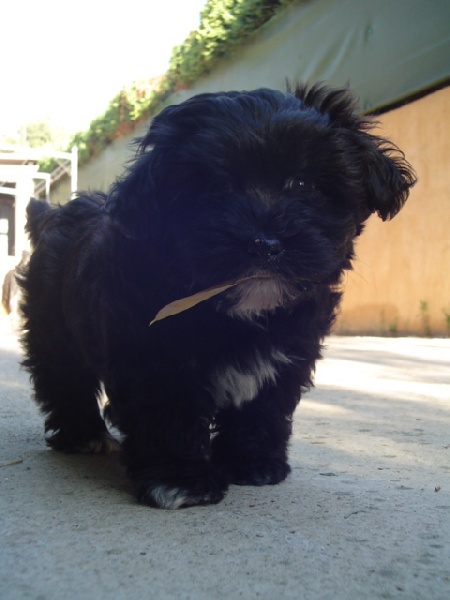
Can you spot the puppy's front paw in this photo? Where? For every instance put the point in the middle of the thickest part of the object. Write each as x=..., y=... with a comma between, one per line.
x=162, y=495
x=193, y=487
x=257, y=472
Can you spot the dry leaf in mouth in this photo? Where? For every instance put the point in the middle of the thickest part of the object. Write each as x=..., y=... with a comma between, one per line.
x=178, y=306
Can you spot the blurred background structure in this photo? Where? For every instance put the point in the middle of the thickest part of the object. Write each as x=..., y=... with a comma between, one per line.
x=395, y=55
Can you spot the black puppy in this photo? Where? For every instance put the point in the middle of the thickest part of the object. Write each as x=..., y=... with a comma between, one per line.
x=263, y=188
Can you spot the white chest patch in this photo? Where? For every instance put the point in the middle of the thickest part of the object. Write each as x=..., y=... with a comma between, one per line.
x=234, y=385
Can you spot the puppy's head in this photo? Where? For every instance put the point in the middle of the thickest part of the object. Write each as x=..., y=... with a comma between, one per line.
x=262, y=184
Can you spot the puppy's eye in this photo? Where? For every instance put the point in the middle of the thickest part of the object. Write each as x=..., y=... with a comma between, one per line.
x=299, y=185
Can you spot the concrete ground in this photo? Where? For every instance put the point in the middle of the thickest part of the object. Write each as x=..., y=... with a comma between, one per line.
x=365, y=513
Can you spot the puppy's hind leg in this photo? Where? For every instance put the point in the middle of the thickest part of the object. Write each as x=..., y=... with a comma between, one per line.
x=67, y=392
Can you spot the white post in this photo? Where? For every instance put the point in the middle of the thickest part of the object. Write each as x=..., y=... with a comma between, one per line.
x=74, y=170
x=24, y=191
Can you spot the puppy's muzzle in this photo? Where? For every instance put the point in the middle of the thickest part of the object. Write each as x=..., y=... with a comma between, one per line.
x=270, y=249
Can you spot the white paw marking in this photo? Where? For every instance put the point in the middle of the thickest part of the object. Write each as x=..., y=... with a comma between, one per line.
x=167, y=497
x=104, y=444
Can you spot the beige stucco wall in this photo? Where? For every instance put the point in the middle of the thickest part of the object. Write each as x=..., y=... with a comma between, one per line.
x=401, y=278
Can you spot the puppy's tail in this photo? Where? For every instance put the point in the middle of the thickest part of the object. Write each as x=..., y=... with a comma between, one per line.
x=36, y=218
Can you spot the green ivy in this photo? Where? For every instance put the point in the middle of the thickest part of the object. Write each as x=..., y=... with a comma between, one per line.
x=224, y=25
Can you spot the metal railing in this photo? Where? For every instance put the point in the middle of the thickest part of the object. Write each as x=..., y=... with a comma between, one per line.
x=67, y=164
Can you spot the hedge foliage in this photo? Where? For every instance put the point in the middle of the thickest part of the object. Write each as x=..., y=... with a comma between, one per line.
x=126, y=109
x=224, y=25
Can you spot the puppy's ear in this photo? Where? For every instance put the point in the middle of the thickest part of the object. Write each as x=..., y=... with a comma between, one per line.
x=131, y=201
x=379, y=168
x=386, y=175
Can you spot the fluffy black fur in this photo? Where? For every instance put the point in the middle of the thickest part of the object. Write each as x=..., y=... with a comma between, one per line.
x=224, y=186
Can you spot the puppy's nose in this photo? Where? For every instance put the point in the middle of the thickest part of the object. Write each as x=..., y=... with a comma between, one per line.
x=267, y=248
